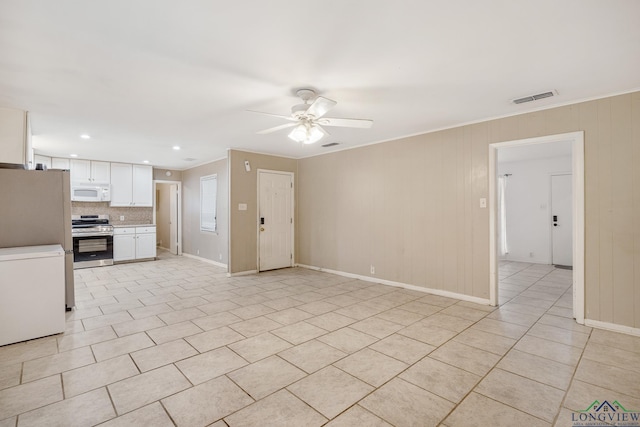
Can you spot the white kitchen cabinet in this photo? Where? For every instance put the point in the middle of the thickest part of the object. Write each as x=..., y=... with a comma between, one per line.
x=90, y=171
x=43, y=160
x=131, y=243
x=60, y=163
x=131, y=185
x=15, y=137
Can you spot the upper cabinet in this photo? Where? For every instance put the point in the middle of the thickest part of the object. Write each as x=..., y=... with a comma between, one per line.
x=15, y=137
x=90, y=171
x=60, y=163
x=131, y=185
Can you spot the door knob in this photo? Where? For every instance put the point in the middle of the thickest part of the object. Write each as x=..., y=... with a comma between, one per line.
x=261, y=228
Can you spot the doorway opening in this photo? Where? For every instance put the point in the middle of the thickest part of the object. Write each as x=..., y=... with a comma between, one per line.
x=570, y=219
x=275, y=225
x=167, y=215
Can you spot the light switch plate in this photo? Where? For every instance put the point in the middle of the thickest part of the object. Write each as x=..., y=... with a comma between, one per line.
x=242, y=206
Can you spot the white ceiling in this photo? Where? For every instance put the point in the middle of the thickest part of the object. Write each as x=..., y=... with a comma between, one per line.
x=141, y=76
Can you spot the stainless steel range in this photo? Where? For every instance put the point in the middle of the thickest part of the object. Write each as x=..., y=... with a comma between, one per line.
x=92, y=241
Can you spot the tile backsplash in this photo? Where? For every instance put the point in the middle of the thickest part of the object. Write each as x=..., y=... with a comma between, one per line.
x=132, y=216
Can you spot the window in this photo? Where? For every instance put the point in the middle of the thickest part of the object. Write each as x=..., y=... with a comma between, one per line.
x=208, y=196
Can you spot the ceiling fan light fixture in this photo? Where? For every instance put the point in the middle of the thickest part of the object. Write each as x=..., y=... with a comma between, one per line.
x=306, y=134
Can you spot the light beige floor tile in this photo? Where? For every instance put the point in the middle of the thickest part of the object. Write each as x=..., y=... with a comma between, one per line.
x=138, y=325
x=9, y=422
x=120, y=306
x=480, y=411
x=399, y=316
x=218, y=307
x=581, y=395
x=438, y=300
x=485, y=341
x=530, y=310
x=266, y=376
x=331, y=321
x=20, y=352
x=281, y=409
x=119, y=346
x=514, y=317
x=83, y=313
x=401, y=404
x=206, y=403
x=86, y=409
x=371, y=367
x=464, y=312
x=50, y=365
x=611, y=377
x=529, y=396
x=376, y=327
x=181, y=315
x=561, y=311
x=282, y=303
x=420, y=308
x=252, y=311
x=163, y=354
x=82, y=339
x=563, y=322
x=612, y=356
x=299, y=332
x=505, y=329
x=216, y=320
x=429, y=334
x=213, y=339
x=312, y=355
x=259, y=347
x=173, y=332
x=537, y=368
x=359, y=311
x=146, y=388
x=616, y=340
x=403, y=348
x=255, y=326
x=32, y=395
x=347, y=340
x=106, y=320
x=468, y=358
x=10, y=375
x=152, y=415
x=445, y=321
x=97, y=375
x=358, y=416
x=563, y=336
x=211, y=364
x=330, y=391
x=549, y=350
x=439, y=378
x=289, y=316
x=151, y=310
x=318, y=307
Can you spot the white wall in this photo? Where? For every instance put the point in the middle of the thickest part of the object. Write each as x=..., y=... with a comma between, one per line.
x=528, y=211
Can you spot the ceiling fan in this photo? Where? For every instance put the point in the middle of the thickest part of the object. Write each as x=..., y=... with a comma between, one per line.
x=308, y=118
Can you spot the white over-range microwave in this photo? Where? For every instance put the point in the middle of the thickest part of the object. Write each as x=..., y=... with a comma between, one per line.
x=90, y=192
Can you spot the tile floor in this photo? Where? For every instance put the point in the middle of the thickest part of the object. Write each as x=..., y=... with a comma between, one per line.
x=176, y=342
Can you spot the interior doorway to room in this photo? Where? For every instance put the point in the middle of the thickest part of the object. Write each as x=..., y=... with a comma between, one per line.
x=529, y=218
x=275, y=220
x=167, y=215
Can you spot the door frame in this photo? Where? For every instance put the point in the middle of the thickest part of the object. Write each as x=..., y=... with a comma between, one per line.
x=179, y=217
x=293, y=222
x=577, y=162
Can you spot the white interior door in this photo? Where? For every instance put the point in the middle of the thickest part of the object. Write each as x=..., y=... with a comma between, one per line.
x=275, y=220
x=562, y=220
x=173, y=219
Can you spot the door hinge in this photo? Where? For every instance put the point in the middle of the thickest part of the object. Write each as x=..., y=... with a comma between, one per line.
x=291, y=220
x=291, y=256
x=292, y=185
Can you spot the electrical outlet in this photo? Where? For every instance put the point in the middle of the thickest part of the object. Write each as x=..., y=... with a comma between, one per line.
x=121, y=217
x=373, y=270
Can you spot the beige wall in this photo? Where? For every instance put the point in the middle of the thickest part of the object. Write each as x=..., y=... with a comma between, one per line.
x=243, y=224
x=163, y=227
x=161, y=175
x=212, y=246
x=411, y=207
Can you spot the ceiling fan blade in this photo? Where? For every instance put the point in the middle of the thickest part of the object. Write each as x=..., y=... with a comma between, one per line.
x=291, y=119
x=277, y=128
x=348, y=123
x=320, y=107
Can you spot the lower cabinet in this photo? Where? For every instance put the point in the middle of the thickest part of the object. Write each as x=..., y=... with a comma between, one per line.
x=131, y=243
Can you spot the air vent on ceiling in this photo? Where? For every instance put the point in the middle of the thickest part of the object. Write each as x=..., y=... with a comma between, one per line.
x=189, y=159
x=531, y=98
x=331, y=144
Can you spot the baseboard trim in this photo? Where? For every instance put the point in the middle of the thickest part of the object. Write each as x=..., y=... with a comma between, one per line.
x=612, y=327
x=242, y=273
x=439, y=292
x=208, y=261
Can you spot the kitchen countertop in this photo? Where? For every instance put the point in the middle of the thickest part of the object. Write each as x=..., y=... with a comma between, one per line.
x=132, y=225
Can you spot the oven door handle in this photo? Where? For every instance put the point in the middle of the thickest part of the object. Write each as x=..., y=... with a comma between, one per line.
x=105, y=234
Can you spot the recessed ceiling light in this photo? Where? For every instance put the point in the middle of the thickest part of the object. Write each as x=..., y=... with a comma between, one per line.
x=176, y=147
x=85, y=136
x=73, y=155
x=145, y=161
